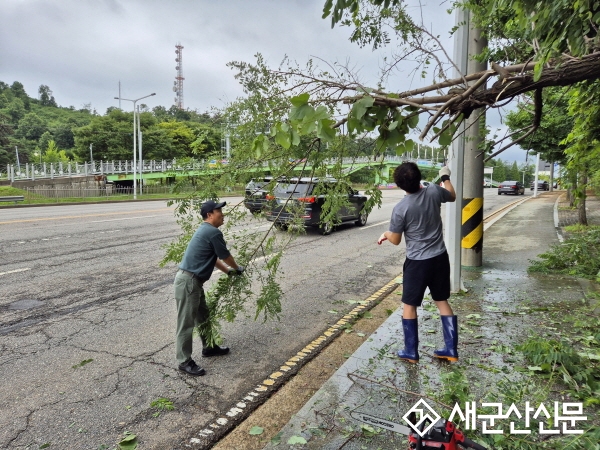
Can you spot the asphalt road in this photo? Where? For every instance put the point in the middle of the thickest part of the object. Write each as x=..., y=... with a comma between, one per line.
x=87, y=321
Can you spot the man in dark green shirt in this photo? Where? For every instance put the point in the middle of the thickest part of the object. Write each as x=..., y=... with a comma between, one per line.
x=205, y=251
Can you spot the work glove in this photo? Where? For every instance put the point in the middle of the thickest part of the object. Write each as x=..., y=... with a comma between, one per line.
x=238, y=271
x=444, y=171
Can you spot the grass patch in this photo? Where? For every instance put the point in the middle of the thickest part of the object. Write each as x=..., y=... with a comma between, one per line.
x=578, y=255
x=9, y=190
x=578, y=228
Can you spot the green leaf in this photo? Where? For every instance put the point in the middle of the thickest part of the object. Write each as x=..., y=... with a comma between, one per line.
x=276, y=440
x=129, y=442
x=537, y=70
x=83, y=363
x=258, y=145
x=324, y=130
x=409, y=145
x=283, y=138
x=413, y=121
x=300, y=100
x=46, y=445
x=368, y=430
x=295, y=137
x=256, y=430
x=354, y=124
x=360, y=107
x=393, y=125
x=445, y=139
x=296, y=440
x=321, y=113
x=394, y=137
x=301, y=112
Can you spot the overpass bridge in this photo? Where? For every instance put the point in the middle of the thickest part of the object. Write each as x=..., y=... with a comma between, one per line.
x=123, y=171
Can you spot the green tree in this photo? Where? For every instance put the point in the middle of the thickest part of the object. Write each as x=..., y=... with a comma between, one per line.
x=45, y=140
x=53, y=154
x=111, y=136
x=31, y=127
x=15, y=110
x=6, y=131
x=181, y=137
x=584, y=140
x=555, y=124
x=63, y=134
x=46, y=97
x=18, y=91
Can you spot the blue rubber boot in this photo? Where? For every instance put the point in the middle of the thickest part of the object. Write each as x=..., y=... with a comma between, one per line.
x=450, y=329
x=411, y=341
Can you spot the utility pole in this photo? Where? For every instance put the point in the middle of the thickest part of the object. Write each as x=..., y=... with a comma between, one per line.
x=455, y=159
x=472, y=199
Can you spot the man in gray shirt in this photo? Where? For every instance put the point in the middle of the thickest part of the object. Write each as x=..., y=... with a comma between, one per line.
x=417, y=216
x=205, y=251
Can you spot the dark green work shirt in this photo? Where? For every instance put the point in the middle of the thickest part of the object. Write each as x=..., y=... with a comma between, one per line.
x=207, y=244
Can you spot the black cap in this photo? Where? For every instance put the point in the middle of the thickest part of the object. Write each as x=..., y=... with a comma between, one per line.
x=209, y=206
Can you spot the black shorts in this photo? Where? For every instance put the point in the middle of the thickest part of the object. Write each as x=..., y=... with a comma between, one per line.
x=432, y=273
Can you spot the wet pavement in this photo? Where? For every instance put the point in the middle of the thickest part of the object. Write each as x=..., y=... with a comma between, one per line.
x=499, y=309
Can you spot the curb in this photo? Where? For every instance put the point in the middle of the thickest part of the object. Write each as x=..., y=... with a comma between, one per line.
x=242, y=409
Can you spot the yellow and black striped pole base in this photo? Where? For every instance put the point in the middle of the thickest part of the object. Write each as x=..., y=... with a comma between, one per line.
x=472, y=228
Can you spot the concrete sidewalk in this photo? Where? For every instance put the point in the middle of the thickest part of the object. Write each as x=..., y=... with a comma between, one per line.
x=496, y=311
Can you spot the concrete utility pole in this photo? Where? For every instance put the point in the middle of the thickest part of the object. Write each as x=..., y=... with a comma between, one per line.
x=472, y=199
x=452, y=224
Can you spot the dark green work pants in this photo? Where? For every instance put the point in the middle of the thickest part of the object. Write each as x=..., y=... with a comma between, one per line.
x=191, y=312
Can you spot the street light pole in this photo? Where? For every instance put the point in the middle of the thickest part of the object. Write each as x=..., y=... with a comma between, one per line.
x=134, y=140
x=18, y=162
x=139, y=129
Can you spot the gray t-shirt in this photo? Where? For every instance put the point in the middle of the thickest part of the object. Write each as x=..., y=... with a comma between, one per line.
x=207, y=244
x=418, y=217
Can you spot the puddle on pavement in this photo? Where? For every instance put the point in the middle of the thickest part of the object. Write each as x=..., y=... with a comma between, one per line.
x=25, y=304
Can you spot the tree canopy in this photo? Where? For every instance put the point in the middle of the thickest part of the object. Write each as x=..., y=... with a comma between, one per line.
x=30, y=124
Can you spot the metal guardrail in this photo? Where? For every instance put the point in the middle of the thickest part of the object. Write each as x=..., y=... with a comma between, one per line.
x=12, y=198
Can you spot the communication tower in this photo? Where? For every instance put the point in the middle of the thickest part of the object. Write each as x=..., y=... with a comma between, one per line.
x=178, y=83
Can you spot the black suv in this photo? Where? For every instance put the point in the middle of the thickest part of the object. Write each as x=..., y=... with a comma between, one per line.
x=305, y=197
x=255, y=198
x=542, y=185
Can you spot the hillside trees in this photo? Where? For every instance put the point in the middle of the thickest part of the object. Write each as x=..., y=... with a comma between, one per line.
x=31, y=123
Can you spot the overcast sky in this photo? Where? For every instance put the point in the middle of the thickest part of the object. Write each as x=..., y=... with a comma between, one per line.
x=81, y=49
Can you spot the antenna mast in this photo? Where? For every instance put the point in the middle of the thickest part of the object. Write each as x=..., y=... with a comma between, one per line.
x=178, y=83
